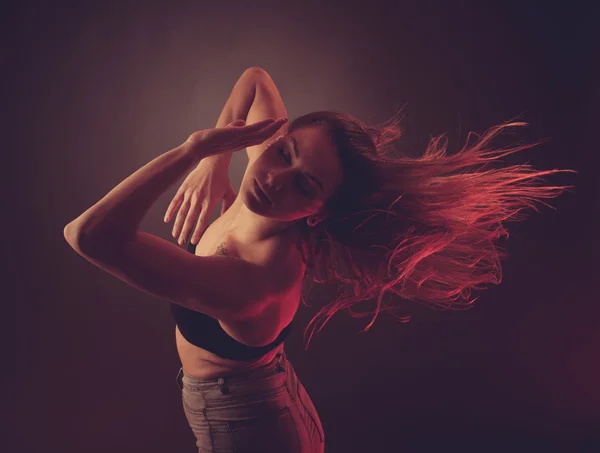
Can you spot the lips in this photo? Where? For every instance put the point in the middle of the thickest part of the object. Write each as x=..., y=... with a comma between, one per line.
x=261, y=193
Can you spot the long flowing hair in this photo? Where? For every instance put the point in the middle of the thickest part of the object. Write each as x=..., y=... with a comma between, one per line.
x=407, y=230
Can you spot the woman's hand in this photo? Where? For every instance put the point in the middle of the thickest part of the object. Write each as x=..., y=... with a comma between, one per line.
x=233, y=137
x=196, y=199
x=208, y=182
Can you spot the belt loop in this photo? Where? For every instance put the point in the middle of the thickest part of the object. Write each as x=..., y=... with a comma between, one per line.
x=223, y=385
x=180, y=379
x=280, y=367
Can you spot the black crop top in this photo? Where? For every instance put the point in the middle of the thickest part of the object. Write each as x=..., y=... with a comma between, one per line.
x=206, y=332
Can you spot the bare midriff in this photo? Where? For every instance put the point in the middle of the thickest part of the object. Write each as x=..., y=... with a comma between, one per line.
x=204, y=364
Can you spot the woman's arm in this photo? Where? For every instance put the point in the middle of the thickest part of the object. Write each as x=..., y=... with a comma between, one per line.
x=107, y=235
x=115, y=219
x=267, y=104
x=254, y=98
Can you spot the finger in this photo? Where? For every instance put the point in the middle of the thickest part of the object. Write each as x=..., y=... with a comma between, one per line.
x=201, y=226
x=258, y=125
x=273, y=127
x=181, y=215
x=175, y=202
x=189, y=222
x=252, y=138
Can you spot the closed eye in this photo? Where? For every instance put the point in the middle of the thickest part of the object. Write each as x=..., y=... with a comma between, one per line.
x=286, y=157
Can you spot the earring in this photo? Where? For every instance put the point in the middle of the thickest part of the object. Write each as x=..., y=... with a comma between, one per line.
x=311, y=221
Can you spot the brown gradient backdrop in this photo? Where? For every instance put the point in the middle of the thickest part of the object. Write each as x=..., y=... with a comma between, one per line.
x=101, y=90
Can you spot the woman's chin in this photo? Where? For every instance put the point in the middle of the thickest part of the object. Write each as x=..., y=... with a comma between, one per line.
x=254, y=205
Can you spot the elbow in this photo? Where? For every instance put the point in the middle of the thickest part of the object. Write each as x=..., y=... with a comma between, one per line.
x=73, y=236
x=70, y=233
x=93, y=245
x=256, y=73
x=78, y=240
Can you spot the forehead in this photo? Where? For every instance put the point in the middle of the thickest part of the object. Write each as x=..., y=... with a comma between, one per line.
x=318, y=156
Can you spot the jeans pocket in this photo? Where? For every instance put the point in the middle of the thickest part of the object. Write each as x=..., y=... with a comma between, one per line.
x=310, y=413
x=268, y=432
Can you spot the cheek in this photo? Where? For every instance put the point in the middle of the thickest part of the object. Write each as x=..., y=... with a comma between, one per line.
x=308, y=207
x=296, y=206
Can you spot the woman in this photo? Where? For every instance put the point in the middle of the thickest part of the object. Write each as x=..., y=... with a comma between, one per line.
x=322, y=200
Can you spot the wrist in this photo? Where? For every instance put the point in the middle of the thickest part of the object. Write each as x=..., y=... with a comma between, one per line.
x=197, y=148
x=218, y=160
x=192, y=150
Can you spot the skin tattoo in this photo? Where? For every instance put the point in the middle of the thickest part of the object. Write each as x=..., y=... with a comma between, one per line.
x=221, y=250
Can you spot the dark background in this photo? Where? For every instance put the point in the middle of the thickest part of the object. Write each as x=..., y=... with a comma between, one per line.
x=99, y=90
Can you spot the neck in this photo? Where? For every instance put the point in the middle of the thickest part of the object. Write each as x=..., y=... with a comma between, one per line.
x=254, y=228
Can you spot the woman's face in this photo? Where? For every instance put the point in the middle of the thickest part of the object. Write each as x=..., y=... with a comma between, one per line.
x=298, y=173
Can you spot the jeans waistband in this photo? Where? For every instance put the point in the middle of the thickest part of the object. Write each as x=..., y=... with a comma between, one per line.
x=279, y=363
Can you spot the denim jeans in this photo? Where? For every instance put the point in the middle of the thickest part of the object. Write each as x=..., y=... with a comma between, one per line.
x=264, y=410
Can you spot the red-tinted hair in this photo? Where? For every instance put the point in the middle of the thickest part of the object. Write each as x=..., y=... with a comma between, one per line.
x=421, y=229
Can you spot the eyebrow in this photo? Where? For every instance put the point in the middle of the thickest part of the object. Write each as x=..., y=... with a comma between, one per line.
x=310, y=176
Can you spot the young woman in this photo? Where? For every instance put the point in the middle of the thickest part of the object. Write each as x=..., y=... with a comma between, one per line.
x=323, y=200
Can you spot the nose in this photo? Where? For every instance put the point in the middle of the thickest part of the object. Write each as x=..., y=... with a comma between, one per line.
x=276, y=180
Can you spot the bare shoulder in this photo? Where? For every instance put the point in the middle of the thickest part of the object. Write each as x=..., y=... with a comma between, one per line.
x=281, y=259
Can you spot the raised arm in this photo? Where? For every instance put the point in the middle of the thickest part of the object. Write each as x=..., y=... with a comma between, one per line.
x=253, y=98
